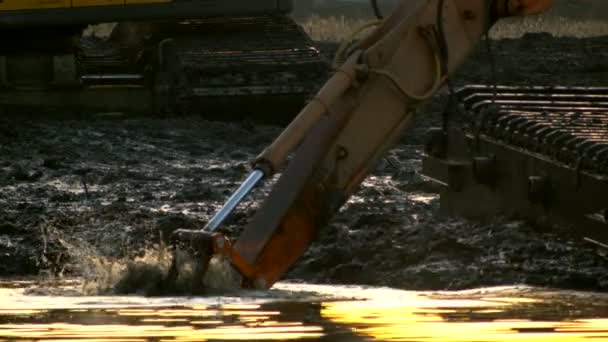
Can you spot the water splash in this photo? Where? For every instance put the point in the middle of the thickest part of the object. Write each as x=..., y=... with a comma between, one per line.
x=221, y=275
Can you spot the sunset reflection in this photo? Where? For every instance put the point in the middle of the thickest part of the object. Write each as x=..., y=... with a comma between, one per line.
x=161, y=324
x=483, y=320
x=302, y=312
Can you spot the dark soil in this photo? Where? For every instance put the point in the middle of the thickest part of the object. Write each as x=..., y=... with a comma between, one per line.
x=113, y=188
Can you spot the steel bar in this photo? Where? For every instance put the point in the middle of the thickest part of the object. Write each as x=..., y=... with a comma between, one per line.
x=113, y=77
x=252, y=180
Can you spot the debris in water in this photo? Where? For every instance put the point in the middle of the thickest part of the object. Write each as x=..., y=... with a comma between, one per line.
x=142, y=279
x=221, y=275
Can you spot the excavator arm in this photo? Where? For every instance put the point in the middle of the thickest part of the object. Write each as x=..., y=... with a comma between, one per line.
x=349, y=125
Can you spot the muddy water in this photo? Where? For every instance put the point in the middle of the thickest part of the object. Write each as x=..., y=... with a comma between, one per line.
x=294, y=312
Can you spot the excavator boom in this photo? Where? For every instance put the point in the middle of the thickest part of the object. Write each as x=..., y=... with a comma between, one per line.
x=354, y=119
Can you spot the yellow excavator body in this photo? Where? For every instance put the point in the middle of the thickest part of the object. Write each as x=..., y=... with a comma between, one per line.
x=163, y=56
x=15, y=5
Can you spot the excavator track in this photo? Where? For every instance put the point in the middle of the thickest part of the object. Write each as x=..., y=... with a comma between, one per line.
x=249, y=59
x=260, y=67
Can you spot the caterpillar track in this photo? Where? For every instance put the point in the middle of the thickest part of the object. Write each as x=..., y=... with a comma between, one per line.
x=261, y=67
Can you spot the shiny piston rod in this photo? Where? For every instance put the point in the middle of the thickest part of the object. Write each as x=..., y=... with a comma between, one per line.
x=249, y=184
x=200, y=245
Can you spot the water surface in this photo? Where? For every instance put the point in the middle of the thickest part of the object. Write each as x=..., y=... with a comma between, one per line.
x=55, y=312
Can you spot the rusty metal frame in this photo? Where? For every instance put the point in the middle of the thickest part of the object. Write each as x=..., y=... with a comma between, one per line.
x=483, y=175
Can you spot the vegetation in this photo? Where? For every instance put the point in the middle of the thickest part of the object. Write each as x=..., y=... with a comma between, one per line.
x=333, y=28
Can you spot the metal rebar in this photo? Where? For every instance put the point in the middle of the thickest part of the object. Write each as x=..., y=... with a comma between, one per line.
x=113, y=77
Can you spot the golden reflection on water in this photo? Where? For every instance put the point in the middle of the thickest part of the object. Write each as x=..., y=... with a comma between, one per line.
x=365, y=314
x=167, y=324
x=420, y=319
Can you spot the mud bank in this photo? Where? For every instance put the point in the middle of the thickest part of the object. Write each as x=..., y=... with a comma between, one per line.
x=77, y=195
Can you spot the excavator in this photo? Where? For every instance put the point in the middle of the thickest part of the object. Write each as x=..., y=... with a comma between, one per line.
x=160, y=56
x=325, y=153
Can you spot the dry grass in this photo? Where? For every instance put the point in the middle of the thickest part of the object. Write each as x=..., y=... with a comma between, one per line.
x=556, y=25
x=335, y=29
x=101, y=30
x=566, y=20
x=330, y=29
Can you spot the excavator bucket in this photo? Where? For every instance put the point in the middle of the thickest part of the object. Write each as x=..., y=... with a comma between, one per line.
x=192, y=250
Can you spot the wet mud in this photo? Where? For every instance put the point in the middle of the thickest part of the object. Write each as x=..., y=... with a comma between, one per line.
x=81, y=196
